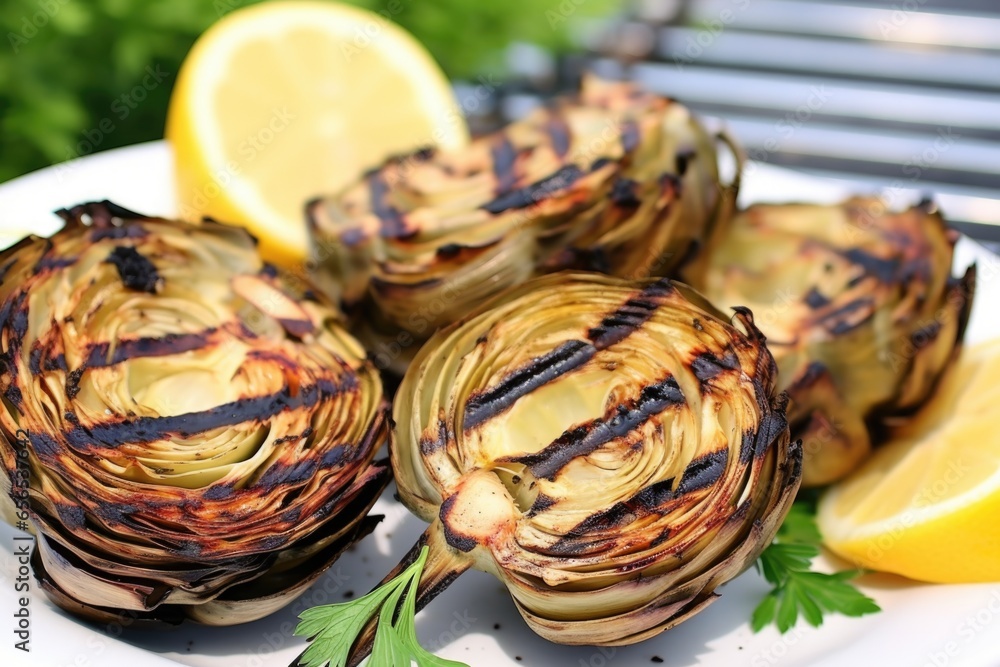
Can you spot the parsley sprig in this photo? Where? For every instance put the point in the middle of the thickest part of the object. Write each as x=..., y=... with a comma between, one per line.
x=335, y=627
x=786, y=565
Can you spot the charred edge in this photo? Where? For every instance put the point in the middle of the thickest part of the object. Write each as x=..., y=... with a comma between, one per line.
x=630, y=316
x=71, y=516
x=835, y=321
x=151, y=429
x=558, y=132
x=704, y=471
x=453, y=250
x=537, y=191
x=429, y=446
x=99, y=354
x=504, y=159
x=542, y=370
x=590, y=437
x=771, y=426
x=132, y=231
x=296, y=327
x=44, y=445
x=684, y=159
x=624, y=193
x=134, y=269
x=101, y=213
x=630, y=136
x=392, y=225
x=815, y=300
x=50, y=263
x=455, y=540
x=73, y=383
x=219, y=492
x=884, y=270
x=747, y=446
x=707, y=366
x=600, y=162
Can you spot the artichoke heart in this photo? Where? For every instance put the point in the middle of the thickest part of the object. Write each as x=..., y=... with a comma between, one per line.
x=615, y=180
x=611, y=450
x=860, y=310
x=199, y=432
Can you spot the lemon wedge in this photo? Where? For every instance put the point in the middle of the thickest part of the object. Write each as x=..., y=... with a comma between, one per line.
x=927, y=505
x=284, y=101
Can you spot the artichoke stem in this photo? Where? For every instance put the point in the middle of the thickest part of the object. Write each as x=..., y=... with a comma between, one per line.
x=443, y=566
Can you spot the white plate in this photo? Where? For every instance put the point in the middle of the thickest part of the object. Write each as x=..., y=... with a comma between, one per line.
x=474, y=621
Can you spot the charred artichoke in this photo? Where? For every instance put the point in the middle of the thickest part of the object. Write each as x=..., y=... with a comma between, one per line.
x=860, y=311
x=200, y=438
x=611, y=450
x=615, y=180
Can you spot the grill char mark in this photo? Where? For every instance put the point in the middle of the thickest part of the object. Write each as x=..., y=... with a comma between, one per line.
x=504, y=160
x=135, y=269
x=150, y=429
x=630, y=136
x=885, y=270
x=558, y=132
x=569, y=356
x=542, y=370
x=392, y=225
x=699, y=474
x=98, y=354
x=536, y=192
x=590, y=437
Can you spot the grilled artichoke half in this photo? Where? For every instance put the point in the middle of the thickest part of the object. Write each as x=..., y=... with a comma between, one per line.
x=200, y=439
x=611, y=450
x=615, y=180
x=860, y=310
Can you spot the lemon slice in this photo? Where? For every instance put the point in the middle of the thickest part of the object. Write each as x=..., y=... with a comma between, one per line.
x=280, y=102
x=927, y=505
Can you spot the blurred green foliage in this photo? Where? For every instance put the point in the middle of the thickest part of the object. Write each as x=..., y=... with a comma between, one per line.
x=80, y=76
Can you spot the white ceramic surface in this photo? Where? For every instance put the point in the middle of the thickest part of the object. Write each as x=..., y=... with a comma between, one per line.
x=474, y=621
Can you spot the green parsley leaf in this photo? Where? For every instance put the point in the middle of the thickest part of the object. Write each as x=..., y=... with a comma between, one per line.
x=797, y=590
x=334, y=628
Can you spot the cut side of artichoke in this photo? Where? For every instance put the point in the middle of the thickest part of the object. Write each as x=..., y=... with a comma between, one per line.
x=615, y=180
x=859, y=308
x=200, y=434
x=612, y=451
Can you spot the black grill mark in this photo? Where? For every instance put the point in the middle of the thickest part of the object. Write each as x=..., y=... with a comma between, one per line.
x=624, y=193
x=703, y=471
x=630, y=136
x=835, y=320
x=287, y=474
x=47, y=263
x=925, y=335
x=455, y=540
x=567, y=357
x=815, y=300
x=391, y=222
x=218, y=492
x=428, y=445
x=135, y=270
x=151, y=429
x=542, y=503
x=97, y=356
x=7, y=267
x=44, y=445
x=590, y=437
x=885, y=270
x=707, y=366
x=772, y=425
x=525, y=380
x=537, y=191
x=641, y=504
x=71, y=516
x=558, y=133
x=504, y=159
x=630, y=316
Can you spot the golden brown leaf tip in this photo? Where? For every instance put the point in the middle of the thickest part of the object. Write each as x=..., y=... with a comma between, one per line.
x=200, y=435
x=611, y=450
x=860, y=310
x=615, y=180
